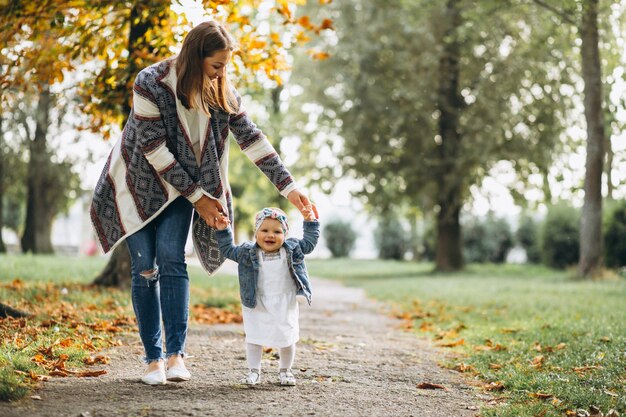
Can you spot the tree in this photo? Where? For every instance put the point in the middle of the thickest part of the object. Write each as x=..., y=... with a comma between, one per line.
x=35, y=56
x=591, y=218
x=419, y=100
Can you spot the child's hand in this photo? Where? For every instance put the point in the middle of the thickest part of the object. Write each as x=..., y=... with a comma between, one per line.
x=310, y=213
x=222, y=222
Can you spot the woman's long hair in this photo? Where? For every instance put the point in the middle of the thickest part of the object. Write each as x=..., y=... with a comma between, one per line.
x=193, y=88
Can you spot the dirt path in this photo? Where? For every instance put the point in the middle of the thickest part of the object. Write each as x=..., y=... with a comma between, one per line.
x=352, y=361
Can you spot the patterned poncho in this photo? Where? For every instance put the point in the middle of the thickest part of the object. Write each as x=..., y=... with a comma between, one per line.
x=153, y=163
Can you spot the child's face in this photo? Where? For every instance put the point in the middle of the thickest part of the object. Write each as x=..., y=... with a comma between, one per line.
x=270, y=236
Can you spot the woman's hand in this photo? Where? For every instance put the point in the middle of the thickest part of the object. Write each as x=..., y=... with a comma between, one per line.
x=299, y=200
x=211, y=211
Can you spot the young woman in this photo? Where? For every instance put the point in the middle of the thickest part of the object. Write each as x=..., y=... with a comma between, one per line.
x=172, y=160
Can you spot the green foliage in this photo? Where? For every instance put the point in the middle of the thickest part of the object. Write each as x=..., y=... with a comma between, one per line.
x=340, y=238
x=615, y=236
x=560, y=236
x=487, y=240
x=391, y=239
x=527, y=236
x=529, y=310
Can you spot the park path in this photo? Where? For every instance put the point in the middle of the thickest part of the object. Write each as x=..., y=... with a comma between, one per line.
x=352, y=360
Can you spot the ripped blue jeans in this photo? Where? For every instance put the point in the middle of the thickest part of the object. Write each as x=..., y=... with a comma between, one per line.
x=160, y=284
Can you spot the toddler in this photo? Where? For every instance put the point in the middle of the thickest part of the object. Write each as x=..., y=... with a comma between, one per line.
x=271, y=274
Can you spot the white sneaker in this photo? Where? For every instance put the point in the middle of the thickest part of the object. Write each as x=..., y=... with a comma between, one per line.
x=286, y=377
x=253, y=378
x=178, y=374
x=155, y=377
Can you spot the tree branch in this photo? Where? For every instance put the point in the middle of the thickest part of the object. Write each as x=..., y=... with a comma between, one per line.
x=556, y=11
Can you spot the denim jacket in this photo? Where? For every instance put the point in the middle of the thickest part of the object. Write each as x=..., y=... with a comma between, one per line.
x=246, y=256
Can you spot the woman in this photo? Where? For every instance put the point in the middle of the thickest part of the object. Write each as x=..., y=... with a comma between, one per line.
x=172, y=160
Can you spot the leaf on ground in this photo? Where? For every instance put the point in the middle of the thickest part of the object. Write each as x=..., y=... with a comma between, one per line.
x=97, y=359
x=86, y=374
x=537, y=361
x=426, y=326
x=561, y=346
x=489, y=345
x=39, y=359
x=605, y=339
x=452, y=344
x=58, y=373
x=494, y=386
x=495, y=366
x=463, y=367
x=429, y=385
x=509, y=330
x=214, y=315
x=537, y=347
x=541, y=395
x=580, y=370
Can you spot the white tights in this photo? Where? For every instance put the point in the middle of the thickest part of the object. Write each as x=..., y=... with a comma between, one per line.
x=254, y=353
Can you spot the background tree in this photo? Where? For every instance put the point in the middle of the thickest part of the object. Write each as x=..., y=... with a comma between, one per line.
x=35, y=56
x=583, y=14
x=419, y=100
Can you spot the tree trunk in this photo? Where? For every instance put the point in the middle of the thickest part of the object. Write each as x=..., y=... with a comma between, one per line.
x=591, y=220
x=610, y=155
x=8, y=311
x=117, y=272
x=3, y=248
x=38, y=223
x=449, y=252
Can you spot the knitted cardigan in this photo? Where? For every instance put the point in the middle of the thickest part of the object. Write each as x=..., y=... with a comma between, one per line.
x=153, y=163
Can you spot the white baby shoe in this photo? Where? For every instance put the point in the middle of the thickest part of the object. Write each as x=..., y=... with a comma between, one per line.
x=286, y=377
x=253, y=378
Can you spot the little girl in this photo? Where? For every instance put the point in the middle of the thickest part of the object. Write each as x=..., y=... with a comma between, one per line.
x=271, y=274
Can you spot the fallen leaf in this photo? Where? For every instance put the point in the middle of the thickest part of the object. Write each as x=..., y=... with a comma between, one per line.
x=537, y=347
x=611, y=393
x=612, y=413
x=494, y=386
x=541, y=395
x=58, y=373
x=495, y=366
x=35, y=397
x=91, y=373
x=537, y=361
x=429, y=385
x=561, y=346
x=452, y=344
x=605, y=339
x=505, y=331
x=463, y=367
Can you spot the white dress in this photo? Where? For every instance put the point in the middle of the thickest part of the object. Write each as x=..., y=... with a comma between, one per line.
x=274, y=320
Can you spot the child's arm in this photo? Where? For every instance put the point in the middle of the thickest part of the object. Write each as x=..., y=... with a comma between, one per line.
x=224, y=237
x=311, y=229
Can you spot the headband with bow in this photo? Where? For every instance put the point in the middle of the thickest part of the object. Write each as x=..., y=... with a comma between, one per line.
x=271, y=213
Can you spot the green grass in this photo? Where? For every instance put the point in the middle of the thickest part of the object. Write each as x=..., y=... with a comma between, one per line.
x=531, y=311
x=71, y=320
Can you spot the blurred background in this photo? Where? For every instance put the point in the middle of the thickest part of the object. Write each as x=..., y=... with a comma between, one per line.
x=448, y=131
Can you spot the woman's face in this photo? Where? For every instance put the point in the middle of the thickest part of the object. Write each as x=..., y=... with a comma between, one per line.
x=215, y=66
